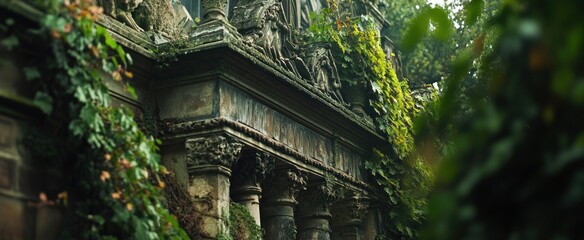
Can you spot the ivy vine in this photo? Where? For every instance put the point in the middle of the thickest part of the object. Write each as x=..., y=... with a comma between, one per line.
x=116, y=188
x=242, y=225
x=402, y=174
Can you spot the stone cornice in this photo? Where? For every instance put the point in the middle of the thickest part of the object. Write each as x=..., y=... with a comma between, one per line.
x=186, y=127
x=286, y=76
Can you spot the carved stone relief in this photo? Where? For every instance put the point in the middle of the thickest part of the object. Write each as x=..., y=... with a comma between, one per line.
x=350, y=210
x=284, y=185
x=213, y=150
x=122, y=11
x=264, y=27
x=252, y=168
x=166, y=19
x=324, y=71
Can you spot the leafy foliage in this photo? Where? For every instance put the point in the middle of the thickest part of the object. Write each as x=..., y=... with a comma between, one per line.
x=116, y=188
x=242, y=226
x=514, y=168
x=426, y=55
x=403, y=176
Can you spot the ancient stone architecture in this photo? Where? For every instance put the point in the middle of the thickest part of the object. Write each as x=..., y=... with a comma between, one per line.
x=246, y=112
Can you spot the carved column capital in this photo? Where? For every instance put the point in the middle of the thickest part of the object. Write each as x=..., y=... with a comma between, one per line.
x=284, y=185
x=314, y=211
x=351, y=209
x=317, y=200
x=279, y=201
x=252, y=168
x=212, y=150
x=249, y=171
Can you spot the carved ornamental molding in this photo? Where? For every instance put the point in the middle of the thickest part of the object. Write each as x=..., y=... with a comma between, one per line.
x=325, y=76
x=265, y=28
x=350, y=210
x=284, y=186
x=252, y=168
x=317, y=200
x=212, y=150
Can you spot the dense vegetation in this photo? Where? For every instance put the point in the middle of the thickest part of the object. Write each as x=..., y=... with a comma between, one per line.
x=513, y=166
x=114, y=187
x=401, y=174
x=505, y=137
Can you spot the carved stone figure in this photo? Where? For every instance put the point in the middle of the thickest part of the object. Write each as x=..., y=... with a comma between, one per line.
x=265, y=28
x=166, y=19
x=122, y=10
x=292, y=10
x=157, y=16
x=324, y=71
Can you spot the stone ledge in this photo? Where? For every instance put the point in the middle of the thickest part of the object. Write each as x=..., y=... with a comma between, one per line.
x=187, y=127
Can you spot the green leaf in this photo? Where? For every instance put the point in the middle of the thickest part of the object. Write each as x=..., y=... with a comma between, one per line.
x=9, y=42
x=129, y=58
x=473, y=11
x=418, y=27
x=31, y=73
x=131, y=91
x=122, y=55
x=443, y=25
x=110, y=42
x=44, y=102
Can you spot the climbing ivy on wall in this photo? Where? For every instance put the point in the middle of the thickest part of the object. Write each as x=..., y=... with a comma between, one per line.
x=242, y=226
x=116, y=187
x=404, y=177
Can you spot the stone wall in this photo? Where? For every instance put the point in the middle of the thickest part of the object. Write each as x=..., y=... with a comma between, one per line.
x=242, y=118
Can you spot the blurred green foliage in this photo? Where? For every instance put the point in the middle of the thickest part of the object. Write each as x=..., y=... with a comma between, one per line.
x=429, y=36
x=510, y=155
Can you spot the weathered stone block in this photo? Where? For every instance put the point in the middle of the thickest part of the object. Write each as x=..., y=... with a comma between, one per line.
x=6, y=173
x=8, y=135
x=12, y=224
x=48, y=223
x=190, y=101
x=209, y=190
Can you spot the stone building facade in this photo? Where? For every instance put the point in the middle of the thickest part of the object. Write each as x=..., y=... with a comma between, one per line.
x=245, y=111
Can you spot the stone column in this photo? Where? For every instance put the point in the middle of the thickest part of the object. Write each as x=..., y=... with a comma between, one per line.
x=250, y=170
x=214, y=10
x=347, y=217
x=314, y=212
x=278, y=204
x=209, y=161
x=372, y=221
